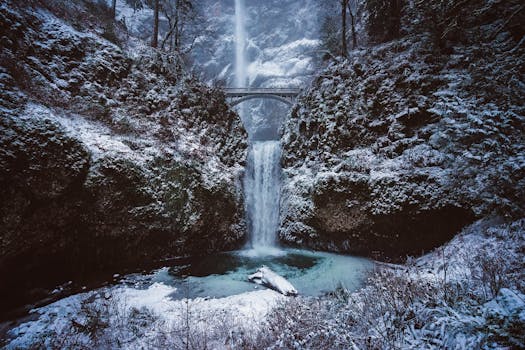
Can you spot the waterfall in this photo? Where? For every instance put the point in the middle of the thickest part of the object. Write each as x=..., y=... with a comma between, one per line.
x=263, y=172
x=262, y=191
x=240, y=40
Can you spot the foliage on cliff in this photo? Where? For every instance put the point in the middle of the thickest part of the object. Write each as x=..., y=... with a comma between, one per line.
x=409, y=140
x=107, y=158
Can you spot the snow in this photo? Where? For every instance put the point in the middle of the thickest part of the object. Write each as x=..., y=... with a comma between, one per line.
x=266, y=69
x=508, y=303
x=280, y=43
x=57, y=28
x=286, y=61
x=424, y=149
x=267, y=277
x=138, y=22
x=103, y=135
x=430, y=319
x=120, y=303
x=444, y=299
x=292, y=47
x=100, y=141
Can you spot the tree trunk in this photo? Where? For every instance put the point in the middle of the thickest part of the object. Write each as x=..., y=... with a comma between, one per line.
x=344, y=49
x=354, y=34
x=155, y=38
x=169, y=35
x=114, y=9
x=177, y=26
x=395, y=18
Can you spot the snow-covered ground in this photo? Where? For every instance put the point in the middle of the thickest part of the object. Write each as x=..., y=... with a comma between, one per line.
x=96, y=136
x=468, y=294
x=126, y=317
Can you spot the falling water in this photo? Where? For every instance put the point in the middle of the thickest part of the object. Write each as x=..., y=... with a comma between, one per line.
x=262, y=179
x=240, y=40
x=262, y=191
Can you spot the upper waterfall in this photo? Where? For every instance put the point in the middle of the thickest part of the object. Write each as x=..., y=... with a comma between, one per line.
x=240, y=41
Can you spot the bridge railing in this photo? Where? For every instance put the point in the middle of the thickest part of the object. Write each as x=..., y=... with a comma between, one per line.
x=273, y=91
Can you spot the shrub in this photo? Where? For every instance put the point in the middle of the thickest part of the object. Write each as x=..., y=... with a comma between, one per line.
x=110, y=34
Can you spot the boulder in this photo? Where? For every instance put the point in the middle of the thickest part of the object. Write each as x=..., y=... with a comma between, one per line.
x=265, y=276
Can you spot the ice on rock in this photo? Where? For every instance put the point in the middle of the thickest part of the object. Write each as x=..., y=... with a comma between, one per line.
x=267, y=277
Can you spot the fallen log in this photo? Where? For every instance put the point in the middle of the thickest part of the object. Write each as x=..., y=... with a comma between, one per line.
x=270, y=279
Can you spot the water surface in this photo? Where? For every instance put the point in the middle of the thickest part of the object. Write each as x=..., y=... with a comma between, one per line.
x=220, y=275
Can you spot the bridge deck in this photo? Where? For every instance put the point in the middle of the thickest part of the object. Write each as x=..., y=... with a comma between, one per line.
x=240, y=92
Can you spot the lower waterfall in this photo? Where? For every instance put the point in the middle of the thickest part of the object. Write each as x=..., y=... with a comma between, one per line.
x=262, y=192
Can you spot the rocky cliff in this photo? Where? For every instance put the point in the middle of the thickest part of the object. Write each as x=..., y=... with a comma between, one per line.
x=107, y=158
x=393, y=150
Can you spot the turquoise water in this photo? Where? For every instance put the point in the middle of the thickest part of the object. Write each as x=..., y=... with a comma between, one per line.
x=312, y=273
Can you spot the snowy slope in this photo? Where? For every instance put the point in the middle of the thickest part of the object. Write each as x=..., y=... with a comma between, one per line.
x=468, y=294
x=394, y=150
x=135, y=318
x=112, y=159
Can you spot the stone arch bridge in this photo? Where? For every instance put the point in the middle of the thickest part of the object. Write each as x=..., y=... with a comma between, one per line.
x=239, y=95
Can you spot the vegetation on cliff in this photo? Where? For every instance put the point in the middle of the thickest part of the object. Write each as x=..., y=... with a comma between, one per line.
x=108, y=157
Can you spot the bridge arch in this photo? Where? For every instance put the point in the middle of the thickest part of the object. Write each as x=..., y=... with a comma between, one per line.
x=235, y=102
x=239, y=95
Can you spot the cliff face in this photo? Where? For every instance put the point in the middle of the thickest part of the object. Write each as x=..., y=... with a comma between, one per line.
x=395, y=149
x=106, y=159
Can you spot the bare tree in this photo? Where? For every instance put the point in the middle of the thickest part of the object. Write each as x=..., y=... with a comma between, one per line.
x=186, y=24
x=154, y=40
x=352, y=9
x=177, y=12
x=344, y=49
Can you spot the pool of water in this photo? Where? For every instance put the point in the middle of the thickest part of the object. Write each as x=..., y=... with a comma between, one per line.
x=312, y=273
x=220, y=275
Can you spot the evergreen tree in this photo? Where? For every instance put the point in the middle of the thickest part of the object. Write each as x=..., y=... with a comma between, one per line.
x=330, y=42
x=384, y=18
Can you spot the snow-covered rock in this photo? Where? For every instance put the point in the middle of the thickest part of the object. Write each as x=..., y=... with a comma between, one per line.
x=106, y=160
x=395, y=149
x=265, y=276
